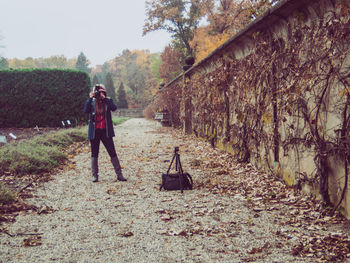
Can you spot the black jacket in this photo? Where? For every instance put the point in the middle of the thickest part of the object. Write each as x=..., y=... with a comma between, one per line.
x=90, y=107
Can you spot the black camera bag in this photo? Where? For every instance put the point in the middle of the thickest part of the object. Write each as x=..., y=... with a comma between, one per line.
x=176, y=181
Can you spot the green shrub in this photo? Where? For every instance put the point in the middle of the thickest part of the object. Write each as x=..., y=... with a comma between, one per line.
x=42, y=97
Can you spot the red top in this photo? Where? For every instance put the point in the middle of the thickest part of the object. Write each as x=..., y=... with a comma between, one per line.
x=100, y=121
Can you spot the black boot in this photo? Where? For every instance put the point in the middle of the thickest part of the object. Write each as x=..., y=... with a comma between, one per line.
x=94, y=169
x=117, y=168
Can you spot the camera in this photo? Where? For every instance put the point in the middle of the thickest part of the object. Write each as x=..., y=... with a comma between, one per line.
x=97, y=93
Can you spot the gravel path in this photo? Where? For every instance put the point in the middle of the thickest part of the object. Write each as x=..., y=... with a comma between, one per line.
x=112, y=221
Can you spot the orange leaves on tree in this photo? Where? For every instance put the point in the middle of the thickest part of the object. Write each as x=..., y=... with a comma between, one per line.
x=225, y=18
x=170, y=66
x=204, y=43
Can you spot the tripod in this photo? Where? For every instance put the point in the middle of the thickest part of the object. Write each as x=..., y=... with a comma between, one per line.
x=178, y=166
x=178, y=180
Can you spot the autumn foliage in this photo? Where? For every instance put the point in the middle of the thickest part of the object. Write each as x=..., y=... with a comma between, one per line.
x=204, y=43
x=225, y=19
x=198, y=27
x=170, y=67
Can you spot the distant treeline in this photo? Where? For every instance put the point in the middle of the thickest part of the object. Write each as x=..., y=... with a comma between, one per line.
x=59, y=62
x=136, y=71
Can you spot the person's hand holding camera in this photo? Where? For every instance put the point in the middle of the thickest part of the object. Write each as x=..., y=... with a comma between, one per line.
x=92, y=94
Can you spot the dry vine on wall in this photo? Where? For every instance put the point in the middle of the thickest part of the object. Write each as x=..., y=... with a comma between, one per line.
x=167, y=99
x=282, y=97
x=288, y=98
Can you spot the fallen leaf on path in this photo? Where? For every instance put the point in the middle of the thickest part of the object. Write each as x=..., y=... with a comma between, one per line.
x=167, y=200
x=111, y=191
x=32, y=241
x=45, y=210
x=126, y=234
x=166, y=217
x=259, y=249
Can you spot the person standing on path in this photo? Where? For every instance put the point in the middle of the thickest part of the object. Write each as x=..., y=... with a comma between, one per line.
x=101, y=129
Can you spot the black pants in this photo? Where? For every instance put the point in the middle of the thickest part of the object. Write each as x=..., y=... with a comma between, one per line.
x=100, y=135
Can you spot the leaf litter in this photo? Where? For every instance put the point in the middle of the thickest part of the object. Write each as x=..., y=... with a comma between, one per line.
x=306, y=223
x=234, y=209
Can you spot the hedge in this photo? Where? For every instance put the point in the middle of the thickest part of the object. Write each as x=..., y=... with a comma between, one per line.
x=42, y=97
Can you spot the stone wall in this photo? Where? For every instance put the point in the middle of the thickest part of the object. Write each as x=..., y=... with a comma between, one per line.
x=277, y=95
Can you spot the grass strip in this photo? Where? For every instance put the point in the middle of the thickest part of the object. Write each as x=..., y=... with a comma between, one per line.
x=40, y=154
x=119, y=120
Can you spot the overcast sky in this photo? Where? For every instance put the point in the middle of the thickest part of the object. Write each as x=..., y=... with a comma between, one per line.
x=101, y=29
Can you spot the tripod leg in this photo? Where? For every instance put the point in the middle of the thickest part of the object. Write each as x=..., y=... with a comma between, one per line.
x=171, y=163
x=179, y=167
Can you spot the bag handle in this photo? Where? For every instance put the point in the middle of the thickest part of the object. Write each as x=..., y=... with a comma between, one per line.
x=190, y=177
